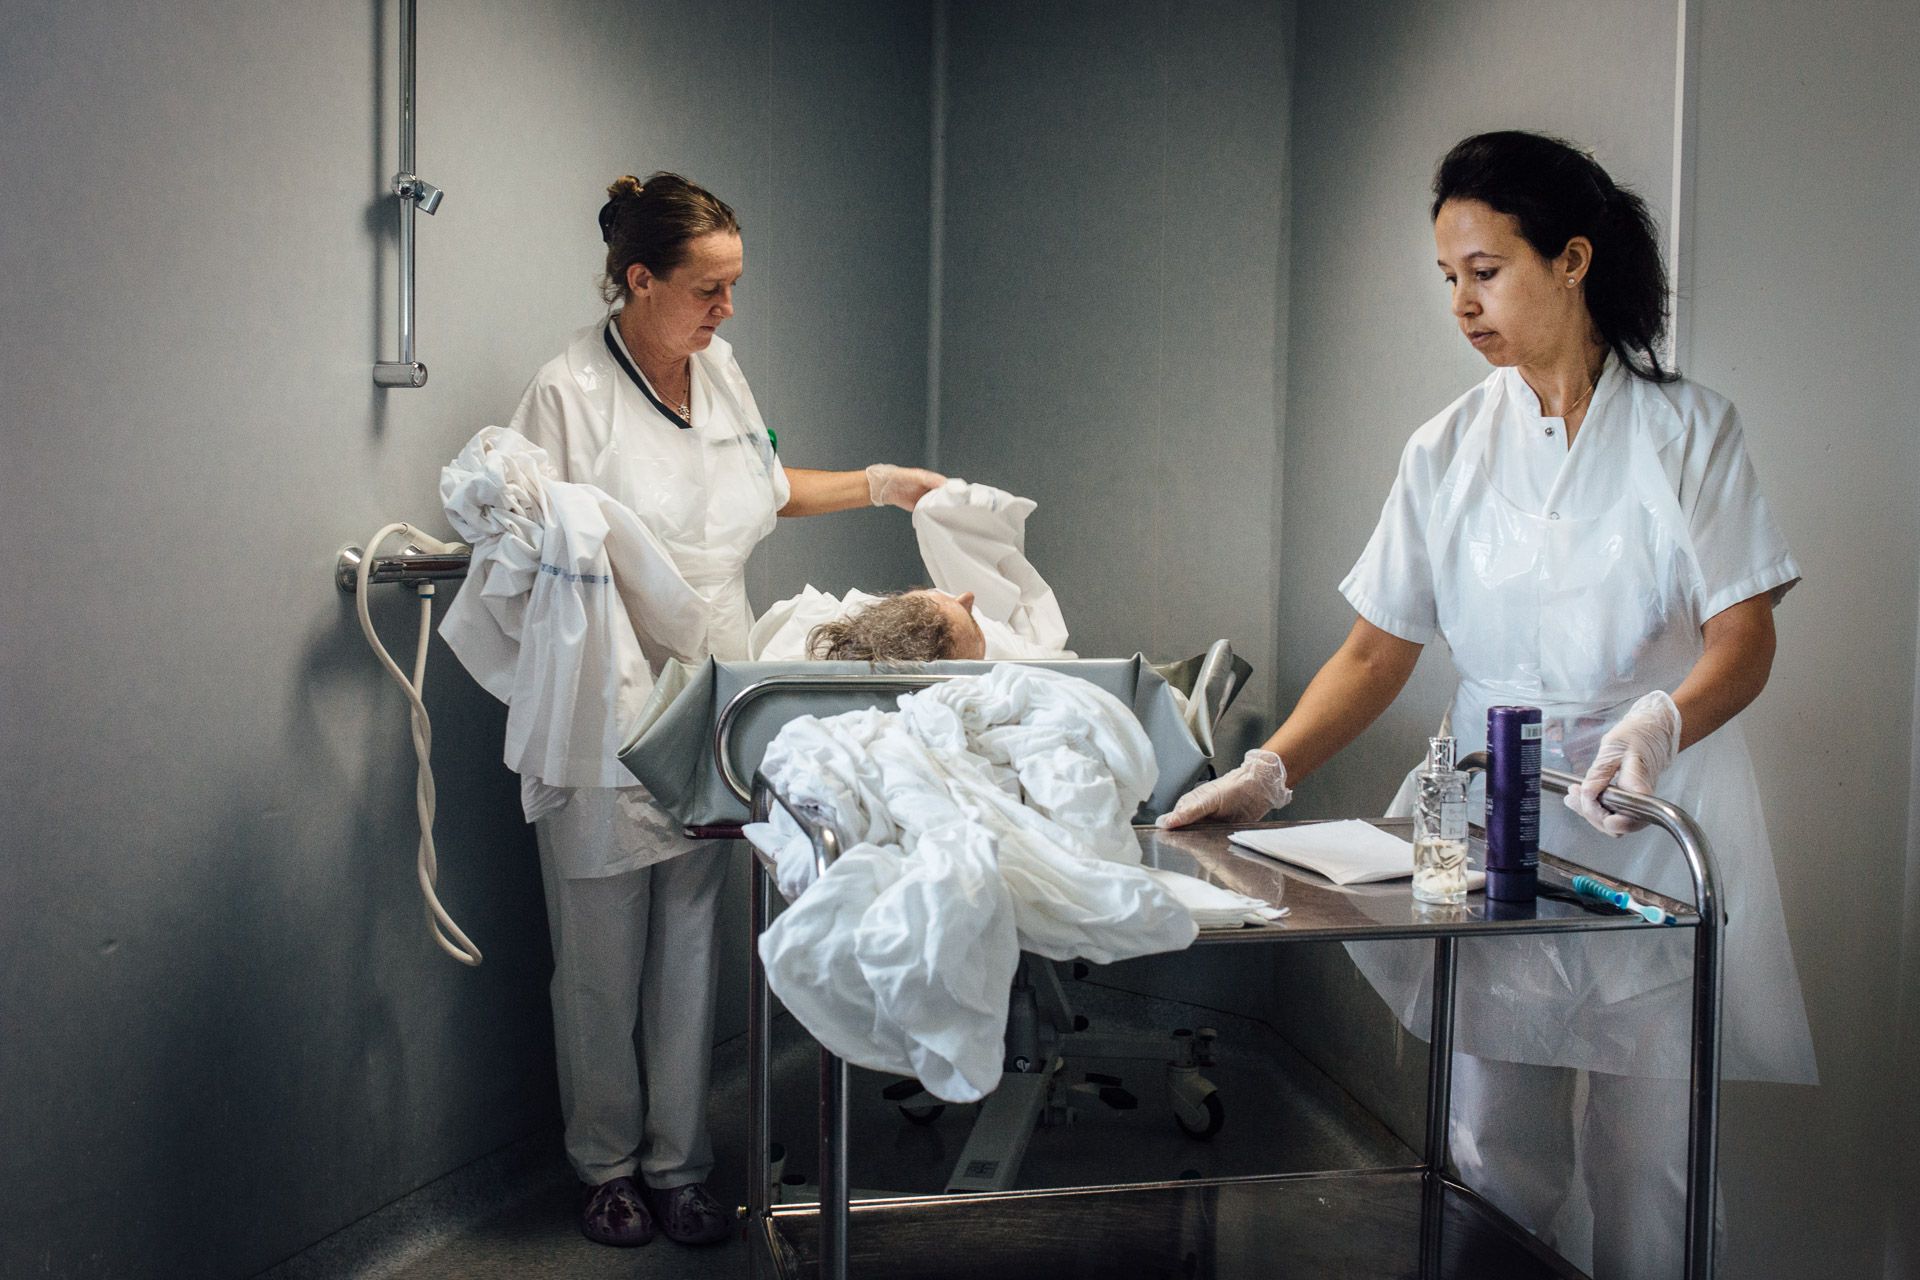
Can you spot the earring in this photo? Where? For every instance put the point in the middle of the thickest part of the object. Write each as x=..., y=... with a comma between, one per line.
x=1570, y=282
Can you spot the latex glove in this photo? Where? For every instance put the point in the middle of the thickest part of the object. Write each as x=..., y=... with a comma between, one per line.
x=1243, y=795
x=1633, y=754
x=902, y=487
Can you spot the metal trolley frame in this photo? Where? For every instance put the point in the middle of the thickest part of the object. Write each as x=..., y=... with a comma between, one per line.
x=1443, y=1204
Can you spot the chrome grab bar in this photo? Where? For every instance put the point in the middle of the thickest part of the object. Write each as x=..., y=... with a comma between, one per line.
x=410, y=568
x=1703, y=1126
x=413, y=192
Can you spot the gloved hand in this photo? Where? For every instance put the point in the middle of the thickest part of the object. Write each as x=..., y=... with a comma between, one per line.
x=1243, y=795
x=902, y=487
x=1633, y=754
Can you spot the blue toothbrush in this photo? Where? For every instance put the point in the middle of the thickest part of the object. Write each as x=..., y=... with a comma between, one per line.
x=1588, y=887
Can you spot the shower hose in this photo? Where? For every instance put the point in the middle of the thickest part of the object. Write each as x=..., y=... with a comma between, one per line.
x=426, y=863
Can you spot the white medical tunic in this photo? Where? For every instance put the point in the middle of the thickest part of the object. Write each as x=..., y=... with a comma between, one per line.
x=1577, y=580
x=709, y=491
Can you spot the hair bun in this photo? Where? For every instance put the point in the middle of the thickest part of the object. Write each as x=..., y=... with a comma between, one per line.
x=651, y=224
x=625, y=187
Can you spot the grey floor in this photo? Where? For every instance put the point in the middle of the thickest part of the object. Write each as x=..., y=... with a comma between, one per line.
x=1282, y=1116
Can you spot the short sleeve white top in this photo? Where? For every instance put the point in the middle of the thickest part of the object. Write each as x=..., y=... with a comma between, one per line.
x=1739, y=548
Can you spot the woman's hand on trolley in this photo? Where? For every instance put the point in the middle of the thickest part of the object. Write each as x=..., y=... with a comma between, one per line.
x=1349, y=693
x=1729, y=675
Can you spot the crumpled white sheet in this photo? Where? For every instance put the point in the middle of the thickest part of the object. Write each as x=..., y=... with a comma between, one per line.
x=988, y=815
x=972, y=538
x=780, y=634
x=1212, y=906
x=569, y=604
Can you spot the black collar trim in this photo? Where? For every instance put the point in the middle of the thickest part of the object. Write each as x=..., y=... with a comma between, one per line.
x=620, y=357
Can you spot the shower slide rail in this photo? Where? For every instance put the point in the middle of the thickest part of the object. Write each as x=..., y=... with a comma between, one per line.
x=414, y=192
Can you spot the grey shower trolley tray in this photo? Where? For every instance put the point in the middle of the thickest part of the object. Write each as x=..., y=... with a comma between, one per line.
x=1414, y=1221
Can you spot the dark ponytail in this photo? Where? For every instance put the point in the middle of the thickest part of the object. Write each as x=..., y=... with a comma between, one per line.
x=1556, y=192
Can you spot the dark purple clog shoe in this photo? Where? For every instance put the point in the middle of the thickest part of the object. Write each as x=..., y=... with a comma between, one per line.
x=614, y=1213
x=688, y=1214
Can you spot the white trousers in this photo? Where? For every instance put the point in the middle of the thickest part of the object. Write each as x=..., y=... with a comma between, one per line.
x=1593, y=1164
x=634, y=967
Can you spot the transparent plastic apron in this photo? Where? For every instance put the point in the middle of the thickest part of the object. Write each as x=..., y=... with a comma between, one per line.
x=1580, y=613
x=706, y=490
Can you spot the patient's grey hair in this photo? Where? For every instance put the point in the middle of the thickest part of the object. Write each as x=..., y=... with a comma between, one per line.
x=904, y=627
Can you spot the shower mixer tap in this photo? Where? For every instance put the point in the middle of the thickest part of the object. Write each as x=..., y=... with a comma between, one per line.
x=411, y=186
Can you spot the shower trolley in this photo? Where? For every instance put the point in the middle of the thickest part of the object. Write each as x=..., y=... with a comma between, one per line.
x=1408, y=1221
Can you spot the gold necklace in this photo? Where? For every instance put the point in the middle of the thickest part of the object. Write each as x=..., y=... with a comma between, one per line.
x=1568, y=411
x=684, y=408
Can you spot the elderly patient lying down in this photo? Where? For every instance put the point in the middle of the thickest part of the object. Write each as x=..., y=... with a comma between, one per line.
x=987, y=600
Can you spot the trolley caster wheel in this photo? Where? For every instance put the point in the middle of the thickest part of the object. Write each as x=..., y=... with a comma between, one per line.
x=1216, y=1114
x=924, y=1115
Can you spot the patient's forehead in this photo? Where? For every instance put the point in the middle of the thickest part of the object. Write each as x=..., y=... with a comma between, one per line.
x=948, y=605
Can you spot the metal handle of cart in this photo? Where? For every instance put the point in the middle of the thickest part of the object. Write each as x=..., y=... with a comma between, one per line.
x=730, y=715
x=835, y=1191
x=1703, y=1103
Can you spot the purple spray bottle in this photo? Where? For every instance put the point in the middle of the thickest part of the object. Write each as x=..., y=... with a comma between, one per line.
x=1513, y=803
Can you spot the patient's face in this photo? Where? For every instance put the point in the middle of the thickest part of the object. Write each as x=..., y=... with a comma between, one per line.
x=971, y=641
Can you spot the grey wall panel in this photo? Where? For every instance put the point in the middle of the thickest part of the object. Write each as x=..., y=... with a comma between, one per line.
x=1804, y=287
x=845, y=363
x=226, y=1033
x=1114, y=267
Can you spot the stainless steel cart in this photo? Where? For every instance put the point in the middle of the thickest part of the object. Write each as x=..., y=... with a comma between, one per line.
x=1412, y=1221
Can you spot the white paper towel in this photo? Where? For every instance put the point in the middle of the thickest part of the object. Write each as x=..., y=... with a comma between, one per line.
x=1348, y=852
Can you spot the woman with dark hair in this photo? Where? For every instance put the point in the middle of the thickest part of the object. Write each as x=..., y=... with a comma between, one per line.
x=650, y=406
x=1585, y=530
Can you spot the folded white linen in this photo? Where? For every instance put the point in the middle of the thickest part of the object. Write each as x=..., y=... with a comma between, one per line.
x=1030, y=774
x=1215, y=906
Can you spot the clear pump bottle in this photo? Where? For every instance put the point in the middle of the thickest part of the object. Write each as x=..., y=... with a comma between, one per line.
x=1440, y=827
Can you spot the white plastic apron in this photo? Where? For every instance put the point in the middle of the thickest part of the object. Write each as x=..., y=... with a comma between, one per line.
x=710, y=492
x=1580, y=612
x=706, y=490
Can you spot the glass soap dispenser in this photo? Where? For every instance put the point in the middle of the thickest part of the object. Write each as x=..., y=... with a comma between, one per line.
x=1440, y=827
